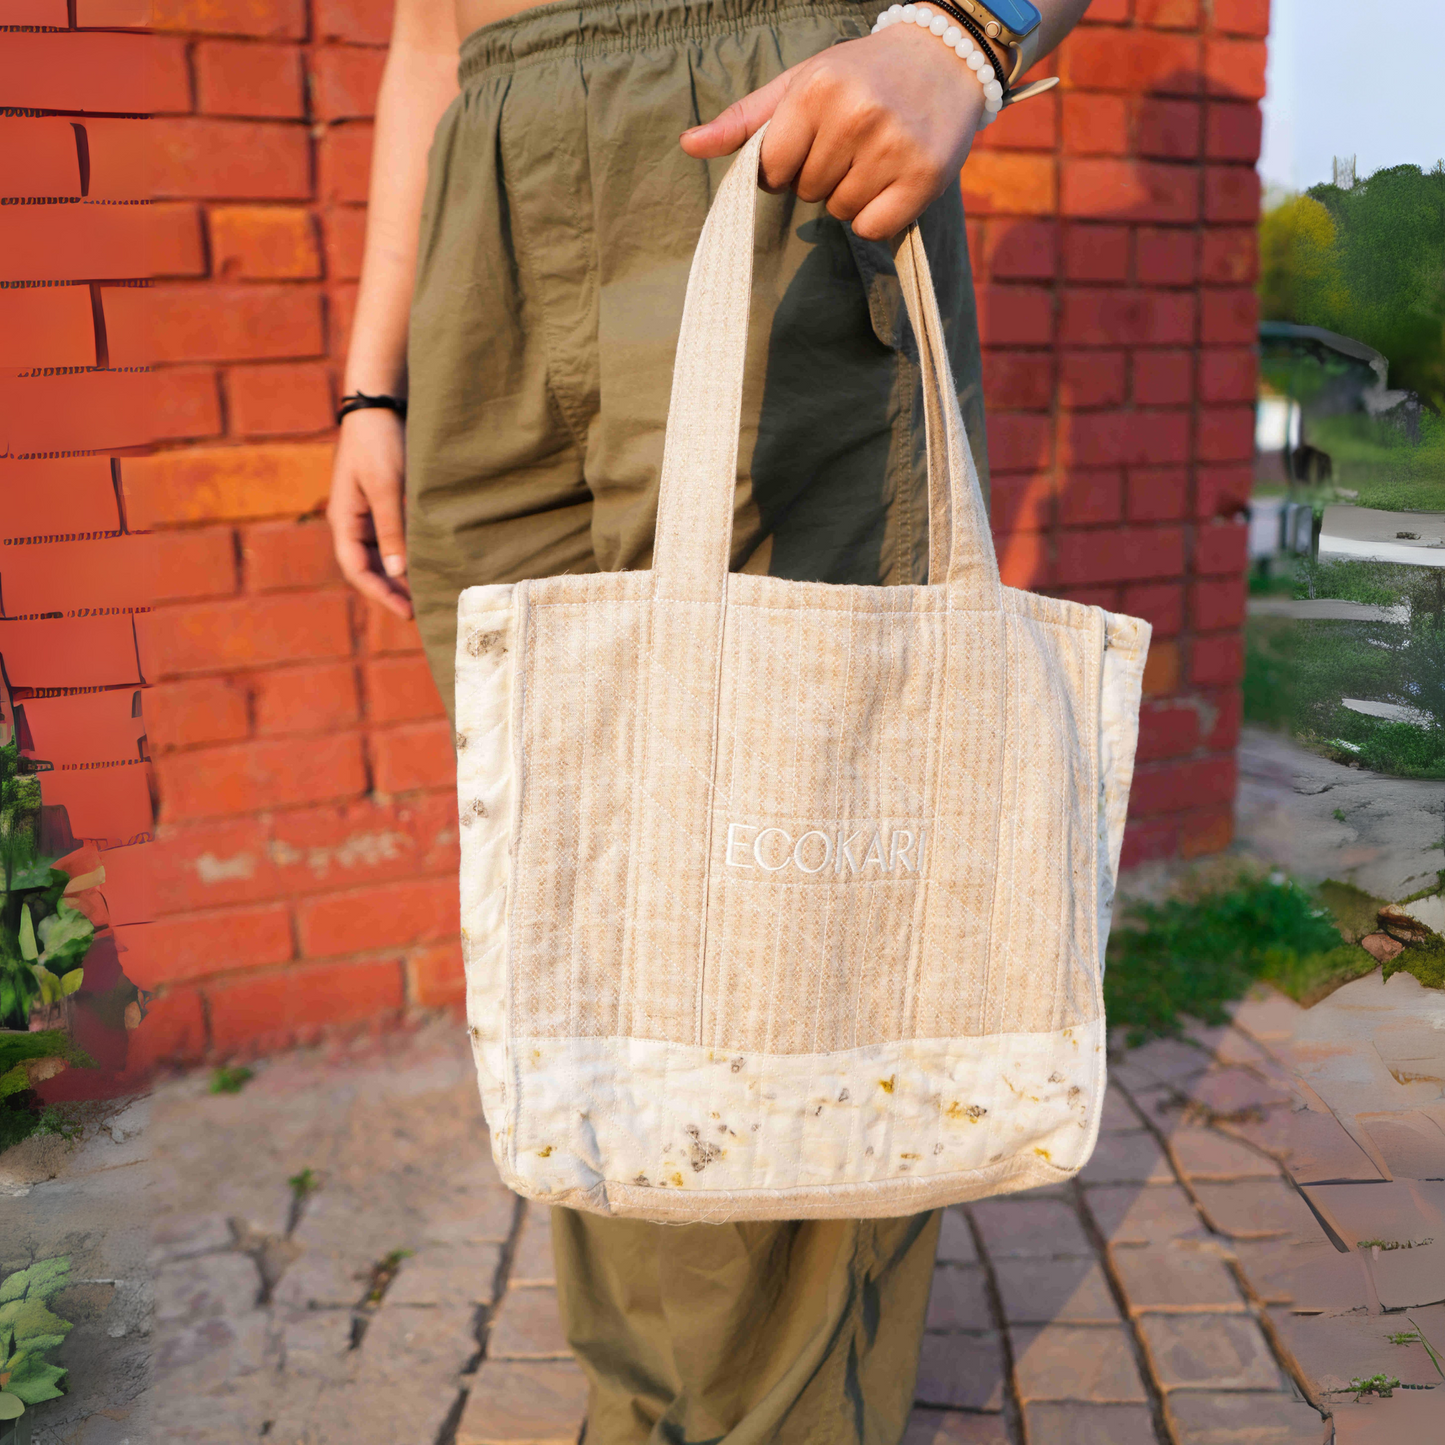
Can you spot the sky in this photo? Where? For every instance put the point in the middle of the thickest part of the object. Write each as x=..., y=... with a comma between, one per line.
x=1335, y=90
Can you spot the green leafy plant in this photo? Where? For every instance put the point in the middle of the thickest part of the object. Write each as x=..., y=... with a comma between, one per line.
x=1191, y=956
x=20, y=1115
x=29, y=1330
x=383, y=1272
x=43, y=937
x=1429, y=1348
x=304, y=1184
x=231, y=1078
x=1382, y=1385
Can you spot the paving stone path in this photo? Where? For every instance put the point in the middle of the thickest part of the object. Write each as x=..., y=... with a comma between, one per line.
x=333, y=1258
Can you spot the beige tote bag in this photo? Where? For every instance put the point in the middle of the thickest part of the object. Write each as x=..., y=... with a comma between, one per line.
x=782, y=899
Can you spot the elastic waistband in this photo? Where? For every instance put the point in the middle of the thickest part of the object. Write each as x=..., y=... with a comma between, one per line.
x=615, y=25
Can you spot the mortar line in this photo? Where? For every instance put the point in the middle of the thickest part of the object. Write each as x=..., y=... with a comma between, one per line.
x=1013, y=1409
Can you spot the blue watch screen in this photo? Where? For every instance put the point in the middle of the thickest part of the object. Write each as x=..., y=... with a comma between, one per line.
x=1018, y=15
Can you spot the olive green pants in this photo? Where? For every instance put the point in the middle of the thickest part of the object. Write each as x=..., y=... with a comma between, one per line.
x=558, y=228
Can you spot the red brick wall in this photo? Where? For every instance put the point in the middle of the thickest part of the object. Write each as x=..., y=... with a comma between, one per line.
x=303, y=870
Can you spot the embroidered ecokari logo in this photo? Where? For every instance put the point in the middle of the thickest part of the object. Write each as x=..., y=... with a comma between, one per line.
x=858, y=848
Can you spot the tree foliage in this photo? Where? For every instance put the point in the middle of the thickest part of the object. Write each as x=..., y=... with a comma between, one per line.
x=1369, y=263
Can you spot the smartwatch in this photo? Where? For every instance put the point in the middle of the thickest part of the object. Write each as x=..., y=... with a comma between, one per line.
x=1014, y=24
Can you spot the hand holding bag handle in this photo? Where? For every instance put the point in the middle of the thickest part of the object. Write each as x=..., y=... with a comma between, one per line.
x=699, y=469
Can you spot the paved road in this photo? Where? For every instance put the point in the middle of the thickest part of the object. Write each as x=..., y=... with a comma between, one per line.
x=1182, y=1290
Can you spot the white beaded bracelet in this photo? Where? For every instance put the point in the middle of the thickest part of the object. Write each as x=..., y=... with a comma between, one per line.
x=959, y=41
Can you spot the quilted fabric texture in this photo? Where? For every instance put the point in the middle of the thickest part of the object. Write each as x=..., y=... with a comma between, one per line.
x=784, y=899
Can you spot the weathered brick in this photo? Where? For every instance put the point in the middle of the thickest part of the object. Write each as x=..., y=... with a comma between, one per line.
x=1054, y=1291
x=200, y=710
x=1228, y=374
x=1096, y=253
x=1230, y=255
x=421, y=910
x=264, y=243
x=386, y=632
x=46, y=326
x=1168, y=129
x=1050, y=1423
x=172, y=1032
x=1222, y=1352
x=212, y=323
x=961, y=1372
x=1168, y=14
x=1015, y=315
x=189, y=564
x=1119, y=190
x=1018, y=380
x=1145, y=840
x=1231, y=193
x=1229, y=316
x=305, y=699
x=434, y=977
x=1090, y=497
x=1110, y=438
x=413, y=756
x=1120, y=316
x=188, y=946
x=1031, y=1229
x=1019, y=441
x=1095, y=124
x=1241, y=17
x=1062, y=1362
x=345, y=230
x=128, y=74
x=343, y=846
x=366, y=22
x=123, y=159
x=245, y=78
x=231, y=160
x=279, y=555
x=999, y=183
x=1025, y=560
x=1161, y=669
x=1223, y=491
x=187, y=404
x=1020, y=250
x=1157, y=494
x=344, y=159
x=1167, y=1278
x=288, y=399
x=1092, y=378
x=1167, y=257
x=1226, y=434
x=89, y=412
x=1220, y=548
x=1120, y=554
x=1217, y=659
x=1173, y=787
x=1235, y=68
x=206, y=483
x=1233, y=132
x=1160, y=604
x=1023, y=128
x=1103, y=12
x=1137, y=61
x=100, y=243
x=274, y=1009
x=344, y=81
x=271, y=19
x=1020, y=503
x=40, y=157
x=1163, y=378
x=400, y=689
x=250, y=632
x=1167, y=731
x=541, y=1402
x=340, y=312
x=228, y=781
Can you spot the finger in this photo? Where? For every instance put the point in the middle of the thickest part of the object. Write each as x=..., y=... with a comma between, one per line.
x=359, y=563
x=851, y=194
x=788, y=144
x=823, y=170
x=725, y=133
x=890, y=211
x=389, y=525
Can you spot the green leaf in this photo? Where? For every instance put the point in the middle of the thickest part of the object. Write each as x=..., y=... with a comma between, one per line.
x=33, y=1380
x=71, y=981
x=12, y=1407
x=46, y=1276
x=35, y=1324
x=38, y=874
x=28, y=950
x=14, y=1081
x=66, y=936
x=49, y=984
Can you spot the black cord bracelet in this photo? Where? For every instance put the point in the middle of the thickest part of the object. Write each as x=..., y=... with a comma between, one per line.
x=360, y=401
x=977, y=35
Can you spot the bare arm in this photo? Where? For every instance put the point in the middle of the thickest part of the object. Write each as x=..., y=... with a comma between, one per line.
x=365, y=511
x=876, y=128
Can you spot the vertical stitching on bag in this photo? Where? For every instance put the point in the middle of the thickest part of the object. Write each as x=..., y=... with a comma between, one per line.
x=719, y=647
x=522, y=623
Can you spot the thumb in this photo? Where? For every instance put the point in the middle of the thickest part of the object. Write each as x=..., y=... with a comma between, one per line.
x=727, y=132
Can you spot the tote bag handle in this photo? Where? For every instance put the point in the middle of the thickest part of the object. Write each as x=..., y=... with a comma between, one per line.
x=700, y=451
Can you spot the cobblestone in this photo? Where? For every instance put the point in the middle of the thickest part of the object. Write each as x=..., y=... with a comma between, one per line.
x=953, y=1427
x=462, y=1275
x=1132, y=1158
x=532, y=1261
x=959, y=1299
x=1143, y=1215
x=1256, y=1209
x=1206, y=1154
x=1030, y=1229
x=1075, y=1424
x=1219, y=1352
x=963, y=1372
x=1064, y=1362
x=955, y=1239
x=1176, y=1277
x=528, y=1326
x=1057, y=1291
x=524, y=1403
x=1208, y=1418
